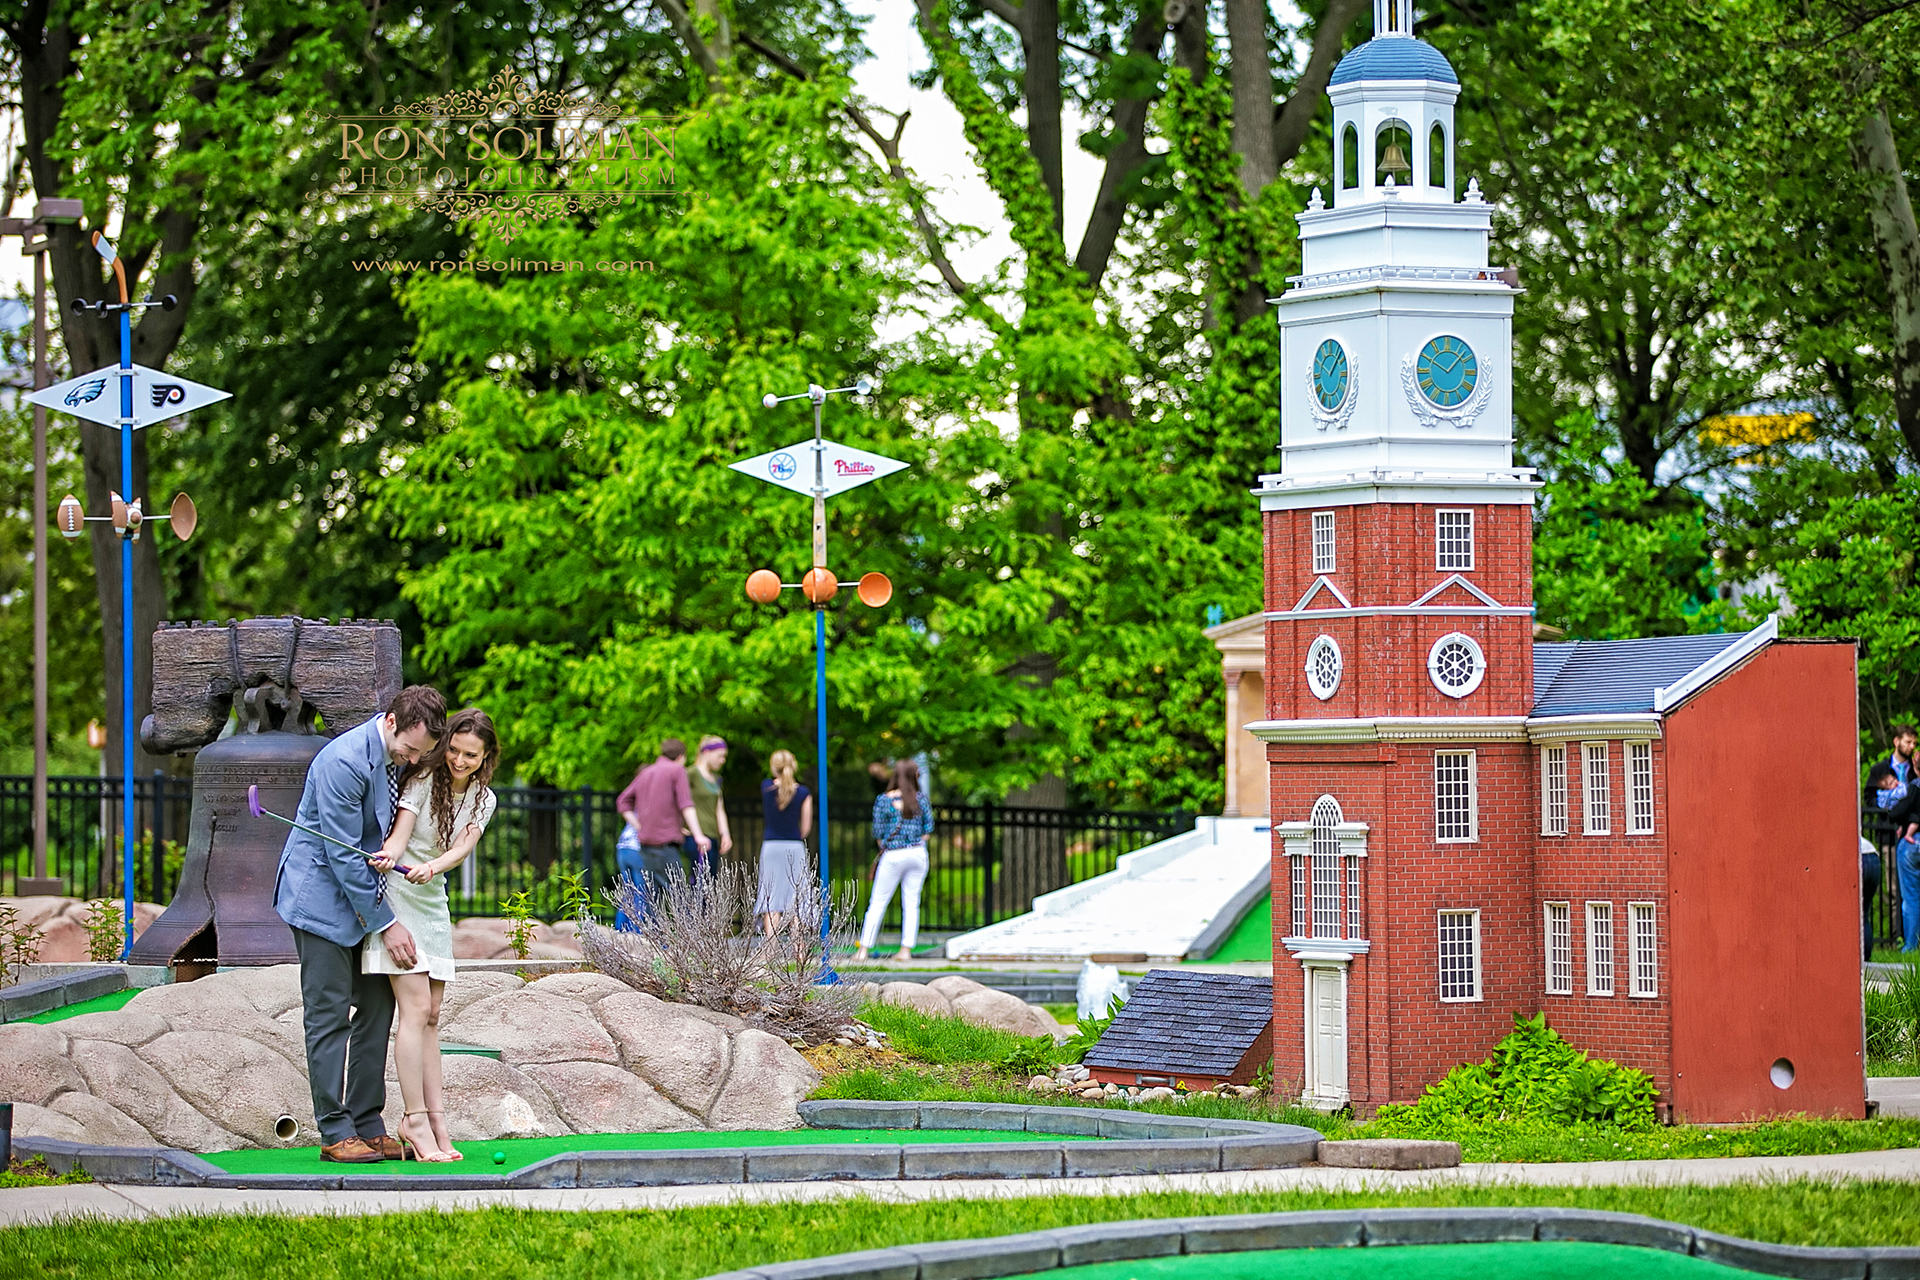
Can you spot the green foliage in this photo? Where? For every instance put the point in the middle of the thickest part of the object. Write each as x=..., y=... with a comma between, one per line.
x=1612, y=558
x=1531, y=1075
x=106, y=930
x=173, y=856
x=1893, y=1021
x=518, y=910
x=1087, y=1032
x=19, y=944
x=38, y=1173
x=1035, y=1055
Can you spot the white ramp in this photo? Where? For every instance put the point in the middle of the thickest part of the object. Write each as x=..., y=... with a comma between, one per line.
x=1171, y=900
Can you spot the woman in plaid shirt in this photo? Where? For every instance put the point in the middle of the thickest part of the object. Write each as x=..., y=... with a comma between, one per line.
x=901, y=823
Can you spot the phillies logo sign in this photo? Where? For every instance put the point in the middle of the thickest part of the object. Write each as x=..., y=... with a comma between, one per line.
x=849, y=467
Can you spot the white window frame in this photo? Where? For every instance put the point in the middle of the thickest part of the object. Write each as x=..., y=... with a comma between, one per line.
x=1474, y=652
x=1639, y=788
x=1643, y=952
x=1472, y=917
x=1553, y=789
x=1596, y=789
x=1440, y=561
x=1323, y=524
x=1558, y=932
x=1600, y=965
x=1473, y=798
x=1324, y=644
x=1326, y=857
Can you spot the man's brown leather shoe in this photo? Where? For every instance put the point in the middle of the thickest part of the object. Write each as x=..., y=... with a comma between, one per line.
x=386, y=1146
x=351, y=1151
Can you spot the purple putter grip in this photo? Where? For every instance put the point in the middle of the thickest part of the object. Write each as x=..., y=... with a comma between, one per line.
x=253, y=801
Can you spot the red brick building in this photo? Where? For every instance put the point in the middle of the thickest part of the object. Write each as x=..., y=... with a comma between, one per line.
x=1652, y=840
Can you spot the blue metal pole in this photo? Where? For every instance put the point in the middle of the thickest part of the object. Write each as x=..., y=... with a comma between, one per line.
x=126, y=625
x=820, y=754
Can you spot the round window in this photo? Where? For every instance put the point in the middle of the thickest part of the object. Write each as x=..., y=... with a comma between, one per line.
x=1323, y=667
x=1456, y=665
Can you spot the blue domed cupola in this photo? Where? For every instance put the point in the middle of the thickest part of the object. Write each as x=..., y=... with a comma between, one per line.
x=1393, y=115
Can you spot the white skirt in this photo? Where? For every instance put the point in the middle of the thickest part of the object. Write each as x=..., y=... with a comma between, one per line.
x=422, y=908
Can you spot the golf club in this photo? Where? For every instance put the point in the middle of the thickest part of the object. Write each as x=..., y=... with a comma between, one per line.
x=260, y=811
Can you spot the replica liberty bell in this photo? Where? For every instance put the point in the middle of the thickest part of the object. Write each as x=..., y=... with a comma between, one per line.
x=285, y=684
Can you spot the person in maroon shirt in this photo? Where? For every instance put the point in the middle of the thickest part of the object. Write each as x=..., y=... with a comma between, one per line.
x=657, y=804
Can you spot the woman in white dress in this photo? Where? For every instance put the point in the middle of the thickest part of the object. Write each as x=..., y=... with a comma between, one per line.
x=443, y=812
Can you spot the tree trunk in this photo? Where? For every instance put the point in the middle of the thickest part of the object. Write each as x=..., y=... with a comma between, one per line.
x=46, y=63
x=1877, y=154
x=1128, y=153
x=1252, y=95
x=1040, y=39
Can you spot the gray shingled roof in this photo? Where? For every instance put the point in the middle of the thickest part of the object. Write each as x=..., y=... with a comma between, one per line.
x=1598, y=677
x=1180, y=1022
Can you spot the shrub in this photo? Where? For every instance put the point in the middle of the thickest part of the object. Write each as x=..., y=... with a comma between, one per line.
x=106, y=930
x=1531, y=1074
x=686, y=952
x=19, y=944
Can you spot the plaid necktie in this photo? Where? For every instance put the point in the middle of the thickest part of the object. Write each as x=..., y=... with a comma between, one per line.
x=393, y=807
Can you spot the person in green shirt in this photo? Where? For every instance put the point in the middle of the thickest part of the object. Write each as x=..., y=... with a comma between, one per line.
x=703, y=780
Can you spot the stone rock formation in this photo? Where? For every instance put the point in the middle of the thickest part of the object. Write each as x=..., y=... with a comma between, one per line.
x=63, y=924
x=210, y=1065
x=958, y=997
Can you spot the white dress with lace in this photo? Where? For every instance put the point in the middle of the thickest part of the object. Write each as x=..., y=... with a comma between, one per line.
x=422, y=908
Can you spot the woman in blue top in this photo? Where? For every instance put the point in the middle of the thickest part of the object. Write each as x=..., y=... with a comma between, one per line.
x=901, y=823
x=783, y=848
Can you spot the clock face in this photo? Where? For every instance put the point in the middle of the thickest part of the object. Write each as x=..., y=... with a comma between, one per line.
x=1447, y=369
x=1330, y=374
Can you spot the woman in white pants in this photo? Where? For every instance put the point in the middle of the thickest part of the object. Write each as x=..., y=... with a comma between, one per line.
x=901, y=821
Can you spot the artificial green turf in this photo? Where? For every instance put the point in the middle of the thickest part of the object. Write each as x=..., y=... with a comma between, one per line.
x=681, y=1244
x=99, y=1004
x=1551, y=1260
x=1251, y=939
x=522, y=1152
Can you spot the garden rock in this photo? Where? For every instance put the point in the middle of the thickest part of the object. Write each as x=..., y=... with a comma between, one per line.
x=595, y=1098
x=488, y=1099
x=765, y=1086
x=121, y=1026
x=117, y=1075
x=588, y=988
x=63, y=925
x=33, y=1064
x=274, y=990
x=31, y=1121
x=916, y=995
x=106, y=1125
x=1002, y=1012
x=683, y=1057
x=470, y=989
x=953, y=986
x=529, y=1027
x=241, y=1086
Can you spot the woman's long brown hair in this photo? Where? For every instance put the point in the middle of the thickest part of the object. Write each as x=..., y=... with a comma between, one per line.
x=476, y=722
x=906, y=780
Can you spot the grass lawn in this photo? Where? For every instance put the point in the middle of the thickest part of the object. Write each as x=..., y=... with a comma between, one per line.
x=522, y=1152
x=37, y=1173
x=679, y=1244
x=947, y=1060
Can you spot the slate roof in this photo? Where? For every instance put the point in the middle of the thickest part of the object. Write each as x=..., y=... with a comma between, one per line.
x=1601, y=677
x=1179, y=1022
x=1394, y=58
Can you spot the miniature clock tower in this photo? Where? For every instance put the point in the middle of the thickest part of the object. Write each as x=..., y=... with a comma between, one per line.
x=1398, y=563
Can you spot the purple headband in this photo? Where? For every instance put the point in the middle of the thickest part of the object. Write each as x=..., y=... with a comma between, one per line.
x=712, y=742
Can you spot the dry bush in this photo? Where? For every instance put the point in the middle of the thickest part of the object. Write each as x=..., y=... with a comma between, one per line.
x=688, y=951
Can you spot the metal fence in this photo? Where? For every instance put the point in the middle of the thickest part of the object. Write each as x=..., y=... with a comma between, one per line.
x=1883, y=911
x=986, y=862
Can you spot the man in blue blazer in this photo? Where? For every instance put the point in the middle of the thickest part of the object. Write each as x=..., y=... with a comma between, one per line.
x=333, y=901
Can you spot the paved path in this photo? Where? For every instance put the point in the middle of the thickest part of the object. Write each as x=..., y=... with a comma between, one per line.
x=23, y=1206
x=1897, y=1095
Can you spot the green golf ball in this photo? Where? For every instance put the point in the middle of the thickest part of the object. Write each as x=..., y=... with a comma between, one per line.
x=499, y=1157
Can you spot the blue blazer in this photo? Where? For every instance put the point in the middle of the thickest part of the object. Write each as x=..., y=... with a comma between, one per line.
x=323, y=888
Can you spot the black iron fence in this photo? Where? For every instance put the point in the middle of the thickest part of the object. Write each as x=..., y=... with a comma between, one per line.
x=1883, y=910
x=986, y=862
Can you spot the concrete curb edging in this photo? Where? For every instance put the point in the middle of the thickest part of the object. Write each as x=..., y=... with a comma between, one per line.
x=43, y=995
x=1147, y=1144
x=1037, y=1251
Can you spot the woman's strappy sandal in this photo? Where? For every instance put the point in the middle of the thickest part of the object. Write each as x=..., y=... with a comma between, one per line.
x=453, y=1152
x=410, y=1150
